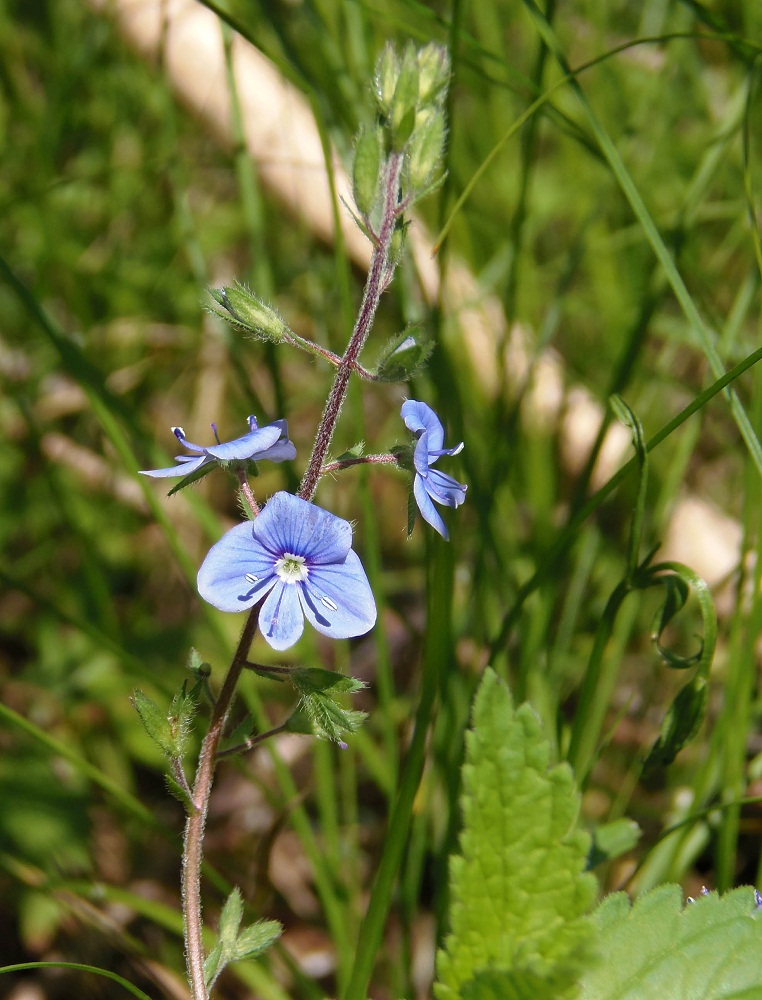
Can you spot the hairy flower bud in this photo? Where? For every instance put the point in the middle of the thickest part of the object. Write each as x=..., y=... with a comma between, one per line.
x=248, y=312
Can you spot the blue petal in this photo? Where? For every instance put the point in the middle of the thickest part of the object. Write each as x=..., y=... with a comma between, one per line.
x=444, y=489
x=290, y=524
x=237, y=571
x=435, y=453
x=420, y=417
x=337, y=599
x=426, y=506
x=188, y=465
x=421, y=457
x=245, y=447
x=281, y=621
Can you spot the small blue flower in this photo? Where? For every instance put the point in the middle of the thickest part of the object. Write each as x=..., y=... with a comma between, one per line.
x=269, y=443
x=430, y=484
x=299, y=558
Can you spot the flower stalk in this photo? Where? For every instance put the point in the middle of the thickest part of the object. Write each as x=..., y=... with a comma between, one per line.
x=379, y=276
x=194, y=827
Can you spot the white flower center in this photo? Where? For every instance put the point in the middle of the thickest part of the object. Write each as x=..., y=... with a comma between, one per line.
x=291, y=568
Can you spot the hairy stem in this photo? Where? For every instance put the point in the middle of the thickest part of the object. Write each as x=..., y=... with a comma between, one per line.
x=379, y=276
x=194, y=827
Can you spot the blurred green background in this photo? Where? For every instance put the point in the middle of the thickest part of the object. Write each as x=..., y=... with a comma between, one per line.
x=118, y=208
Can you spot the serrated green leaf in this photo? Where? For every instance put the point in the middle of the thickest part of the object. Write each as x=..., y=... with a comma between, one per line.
x=657, y=949
x=501, y=984
x=519, y=891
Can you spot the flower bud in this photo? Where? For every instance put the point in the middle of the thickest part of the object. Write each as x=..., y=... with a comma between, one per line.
x=405, y=101
x=426, y=147
x=433, y=73
x=250, y=313
x=403, y=357
x=385, y=80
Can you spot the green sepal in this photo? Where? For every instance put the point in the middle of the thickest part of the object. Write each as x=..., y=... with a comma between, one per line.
x=182, y=711
x=234, y=944
x=366, y=168
x=193, y=477
x=433, y=73
x=356, y=451
x=200, y=669
x=405, y=100
x=385, y=78
x=612, y=840
x=250, y=313
x=318, y=712
x=681, y=723
x=403, y=357
x=155, y=722
x=412, y=510
x=426, y=147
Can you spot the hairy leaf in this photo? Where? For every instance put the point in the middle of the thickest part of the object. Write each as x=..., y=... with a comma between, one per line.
x=519, y=892
x=658, y=949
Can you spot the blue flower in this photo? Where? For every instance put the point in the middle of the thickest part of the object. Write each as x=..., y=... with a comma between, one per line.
x=269, y=443
x=430, y=484
x=299, y=558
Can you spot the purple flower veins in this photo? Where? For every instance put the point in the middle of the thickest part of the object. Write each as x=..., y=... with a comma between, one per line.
x=297, y=557
x=269, y=443
x=429, y=484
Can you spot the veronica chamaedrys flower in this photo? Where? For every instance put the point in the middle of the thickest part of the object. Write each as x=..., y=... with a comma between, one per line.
x=430, y=484
x=299, y=558
x=269, y=443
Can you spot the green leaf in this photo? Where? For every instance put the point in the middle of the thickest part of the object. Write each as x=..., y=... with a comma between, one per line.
x=502, y=984
x=612, y=840
x=256, y=938
x=230, y=920
x=681, y=723
x=310, y=680
x=657, y=949
x=678, y=579
x=519, y=891
x=155, y=722
x=234, y=944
